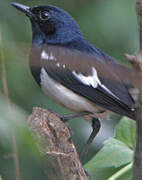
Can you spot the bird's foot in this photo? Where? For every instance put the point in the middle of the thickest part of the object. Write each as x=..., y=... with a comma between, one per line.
x=68, y=117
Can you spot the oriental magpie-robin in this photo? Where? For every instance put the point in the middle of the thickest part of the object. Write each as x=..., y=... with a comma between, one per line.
x=73, y=72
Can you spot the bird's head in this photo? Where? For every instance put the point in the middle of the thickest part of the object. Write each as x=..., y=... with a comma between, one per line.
x=50, y=24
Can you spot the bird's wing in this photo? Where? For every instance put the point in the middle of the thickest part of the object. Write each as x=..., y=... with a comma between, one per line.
x=88, y=77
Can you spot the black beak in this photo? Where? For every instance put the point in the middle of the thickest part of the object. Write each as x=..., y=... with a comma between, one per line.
x=22, y=8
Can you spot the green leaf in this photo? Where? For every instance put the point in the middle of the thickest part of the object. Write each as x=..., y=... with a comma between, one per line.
x=124, y=173
x=101, y=173
x=126, y=132
x=114, y=154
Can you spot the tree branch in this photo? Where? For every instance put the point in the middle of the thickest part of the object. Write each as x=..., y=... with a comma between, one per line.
x=54, y=140
x=136, y=62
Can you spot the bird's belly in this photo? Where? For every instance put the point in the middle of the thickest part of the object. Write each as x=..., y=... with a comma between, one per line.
x=64, y=96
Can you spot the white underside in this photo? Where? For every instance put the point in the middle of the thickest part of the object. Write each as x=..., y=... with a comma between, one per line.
x=66, y=97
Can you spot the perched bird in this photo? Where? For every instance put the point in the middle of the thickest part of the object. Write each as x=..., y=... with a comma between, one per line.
x=73, y=72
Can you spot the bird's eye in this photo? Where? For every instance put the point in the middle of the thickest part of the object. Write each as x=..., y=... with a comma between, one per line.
x=44, y=15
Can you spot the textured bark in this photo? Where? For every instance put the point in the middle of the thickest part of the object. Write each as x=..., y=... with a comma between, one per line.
x=136, y=61
x=54, y=139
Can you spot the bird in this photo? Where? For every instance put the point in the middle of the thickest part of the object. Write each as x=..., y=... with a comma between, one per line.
x=72, y=71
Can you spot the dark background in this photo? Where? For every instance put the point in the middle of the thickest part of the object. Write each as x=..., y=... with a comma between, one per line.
x=109, y=24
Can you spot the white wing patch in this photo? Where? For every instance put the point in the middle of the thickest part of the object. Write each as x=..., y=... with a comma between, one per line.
x=92, y=80
x=49, y=57
x=88, y=80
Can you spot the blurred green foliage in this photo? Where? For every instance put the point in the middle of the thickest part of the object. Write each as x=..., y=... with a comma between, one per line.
x=111, y=25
